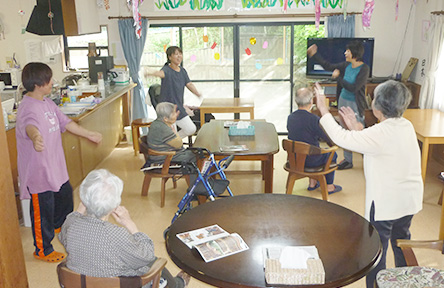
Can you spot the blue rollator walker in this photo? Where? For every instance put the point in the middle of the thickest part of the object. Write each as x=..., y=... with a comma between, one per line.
x=203, y=181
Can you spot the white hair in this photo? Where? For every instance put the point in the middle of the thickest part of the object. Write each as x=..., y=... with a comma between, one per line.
x=100, y=192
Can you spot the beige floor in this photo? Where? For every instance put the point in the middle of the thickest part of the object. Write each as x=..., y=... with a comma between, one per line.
x=152, y=219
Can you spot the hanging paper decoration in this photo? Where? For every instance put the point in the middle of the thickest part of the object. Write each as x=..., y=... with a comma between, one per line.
x=397, y=10
x=285, y=6
x=258, y=66
x=214, y=45
x=317, y=13
x=216, y=56
x=280, y=61
x=367, y=13
x=265, y=45
x=193, y=58
x=133, y=6
x=252, y=40
x=106, y=2
x=248, y=51
x=165, y=48
x=158, y=56
x=344, y=9
x=205, y=38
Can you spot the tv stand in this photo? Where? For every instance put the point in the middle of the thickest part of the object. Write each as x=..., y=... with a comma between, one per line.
x=414, y=88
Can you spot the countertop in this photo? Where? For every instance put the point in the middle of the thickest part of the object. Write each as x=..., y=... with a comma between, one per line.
x=111, y=93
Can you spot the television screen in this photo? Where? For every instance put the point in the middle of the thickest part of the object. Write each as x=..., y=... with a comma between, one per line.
x=332, y=50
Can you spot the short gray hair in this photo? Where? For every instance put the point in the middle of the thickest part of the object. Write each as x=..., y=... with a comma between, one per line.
x=165, y=109
x=392, y=98
x=303, y=96
x=100, y=192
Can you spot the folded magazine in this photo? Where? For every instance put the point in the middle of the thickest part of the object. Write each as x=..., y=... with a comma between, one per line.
x=213, y=242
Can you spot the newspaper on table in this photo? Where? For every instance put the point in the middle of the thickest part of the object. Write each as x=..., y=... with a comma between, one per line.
x=233, y=148
x=213, y=242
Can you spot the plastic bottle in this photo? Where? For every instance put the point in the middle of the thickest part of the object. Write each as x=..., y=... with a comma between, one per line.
x=5, y=118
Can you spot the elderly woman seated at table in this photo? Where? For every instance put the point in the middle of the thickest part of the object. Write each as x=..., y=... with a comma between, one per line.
x=99, y=248
x=163, y=136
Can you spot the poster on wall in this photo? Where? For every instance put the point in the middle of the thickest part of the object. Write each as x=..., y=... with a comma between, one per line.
x=243, y=5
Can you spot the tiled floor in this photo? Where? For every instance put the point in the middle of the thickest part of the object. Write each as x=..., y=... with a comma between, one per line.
x=152, y=219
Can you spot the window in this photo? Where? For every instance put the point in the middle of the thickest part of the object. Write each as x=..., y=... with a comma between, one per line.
x=76, y=49
x=254, y=60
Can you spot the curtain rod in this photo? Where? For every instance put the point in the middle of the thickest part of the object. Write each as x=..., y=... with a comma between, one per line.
x=437, y=12
x=235, y=16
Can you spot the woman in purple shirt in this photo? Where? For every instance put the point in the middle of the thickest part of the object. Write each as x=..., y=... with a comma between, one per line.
x=41, y=160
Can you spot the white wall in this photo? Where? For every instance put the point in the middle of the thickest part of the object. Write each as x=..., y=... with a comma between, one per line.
x=388, y=32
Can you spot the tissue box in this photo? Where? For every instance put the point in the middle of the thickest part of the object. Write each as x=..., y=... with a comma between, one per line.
x=234, y=131
x=314, y=274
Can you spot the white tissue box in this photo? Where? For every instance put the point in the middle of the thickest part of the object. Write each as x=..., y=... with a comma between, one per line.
x=314, y=274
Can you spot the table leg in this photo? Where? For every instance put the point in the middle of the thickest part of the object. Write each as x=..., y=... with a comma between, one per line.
x=252, y=113
x=424, y=157
x=202, y=116
x=136, y=135
x=441, y=224
x=268, y=174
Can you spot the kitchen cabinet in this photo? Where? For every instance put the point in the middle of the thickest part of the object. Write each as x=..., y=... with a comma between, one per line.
x=80, y=17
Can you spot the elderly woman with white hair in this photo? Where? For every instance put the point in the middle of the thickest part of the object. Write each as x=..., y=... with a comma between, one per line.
x=163, y=136
x=99, y=248
x=392, y=164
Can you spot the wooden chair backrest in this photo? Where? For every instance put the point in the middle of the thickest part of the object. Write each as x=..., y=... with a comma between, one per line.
x=71, y=279
x=297, y=152
x=407, y=245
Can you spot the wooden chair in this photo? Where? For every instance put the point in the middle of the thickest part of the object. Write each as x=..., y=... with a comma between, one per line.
x=297, y=152
x=413, y=273
x=165, y=172
x=71, y=279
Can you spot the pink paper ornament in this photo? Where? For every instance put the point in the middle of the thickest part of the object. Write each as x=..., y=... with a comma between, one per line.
x=317, y=13
x=367, y=13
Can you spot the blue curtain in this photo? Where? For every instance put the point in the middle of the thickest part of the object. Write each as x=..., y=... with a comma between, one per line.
x=337, y=27
x=133, y=49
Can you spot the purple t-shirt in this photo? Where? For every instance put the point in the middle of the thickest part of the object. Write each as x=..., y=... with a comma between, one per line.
x=40, y=171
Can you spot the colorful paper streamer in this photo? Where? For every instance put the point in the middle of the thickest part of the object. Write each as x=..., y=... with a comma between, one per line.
x=252, y=40
x=216, y=56
x=367, y=13
x=193, y=58
x=248, y=51
x=214, y=45
x=205, y=38
x=265, y=45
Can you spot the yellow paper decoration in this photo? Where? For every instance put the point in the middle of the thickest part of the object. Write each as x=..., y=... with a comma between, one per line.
x=280, y=61
x=216, y=56
x=205, y=38
x=252, y=40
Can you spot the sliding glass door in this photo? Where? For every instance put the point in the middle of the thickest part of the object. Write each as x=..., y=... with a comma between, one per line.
x=255, y=60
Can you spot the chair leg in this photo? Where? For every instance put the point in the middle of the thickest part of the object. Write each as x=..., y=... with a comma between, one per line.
x=162, y=192
x=290, y=183
x=187, y=179
x=146, y=184
x=174, y=183
x=324, y=187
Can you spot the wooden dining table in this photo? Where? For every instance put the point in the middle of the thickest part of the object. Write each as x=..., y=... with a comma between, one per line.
x=226, y=105
x=261, y=147
x=348, y=245
x=429, y=128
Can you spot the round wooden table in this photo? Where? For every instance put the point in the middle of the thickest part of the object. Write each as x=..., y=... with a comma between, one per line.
x=348, y=245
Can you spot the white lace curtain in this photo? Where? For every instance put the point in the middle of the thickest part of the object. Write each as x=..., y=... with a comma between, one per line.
x=432, y=91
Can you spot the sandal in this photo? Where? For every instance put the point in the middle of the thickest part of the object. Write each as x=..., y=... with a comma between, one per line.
x=314, y=188
x=54, y=256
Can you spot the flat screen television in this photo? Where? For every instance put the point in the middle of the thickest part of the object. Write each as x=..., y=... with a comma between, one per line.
x=332, y=50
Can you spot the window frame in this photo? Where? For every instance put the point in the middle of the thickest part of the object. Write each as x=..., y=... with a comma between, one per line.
x=67, y=49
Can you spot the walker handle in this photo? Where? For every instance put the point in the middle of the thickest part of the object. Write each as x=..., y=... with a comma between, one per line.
x=228, y=162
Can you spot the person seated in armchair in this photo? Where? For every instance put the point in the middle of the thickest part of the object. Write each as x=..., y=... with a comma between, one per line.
x=303, y=126
x=99, y=248
x=163, y=136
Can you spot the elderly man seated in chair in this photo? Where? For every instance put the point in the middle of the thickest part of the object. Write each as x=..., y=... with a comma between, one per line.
x=100, y=248
x=303, y=126
x=163, y=136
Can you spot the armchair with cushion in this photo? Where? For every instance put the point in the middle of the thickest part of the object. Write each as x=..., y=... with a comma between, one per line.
x=297, y=152
x=165, y=171
x=413, y=275
x=70, y=279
